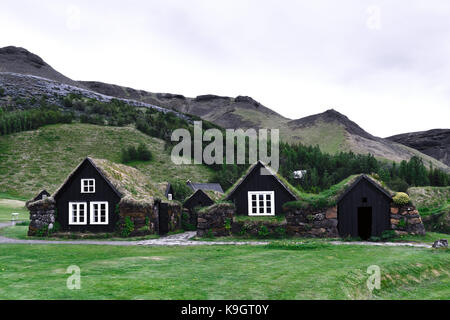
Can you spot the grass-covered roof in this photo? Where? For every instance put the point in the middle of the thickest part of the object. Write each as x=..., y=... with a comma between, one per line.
x=280, y=179
x=331, y=196
x=128, y=181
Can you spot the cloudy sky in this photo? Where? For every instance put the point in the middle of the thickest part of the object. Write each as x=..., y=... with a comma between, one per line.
x=385, y=64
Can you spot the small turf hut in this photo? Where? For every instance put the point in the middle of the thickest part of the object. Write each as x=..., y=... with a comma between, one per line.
x=364, y=209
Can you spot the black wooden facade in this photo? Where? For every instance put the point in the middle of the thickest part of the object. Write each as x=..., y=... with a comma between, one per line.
x=198, y=199
x=364, y=210
x=71, y=192
x=255, y=181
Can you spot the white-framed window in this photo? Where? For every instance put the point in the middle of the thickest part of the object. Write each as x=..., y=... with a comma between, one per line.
x=87, y=185
x=169, y=196
x=261, y=203
x=99, y=212
x=77, y=213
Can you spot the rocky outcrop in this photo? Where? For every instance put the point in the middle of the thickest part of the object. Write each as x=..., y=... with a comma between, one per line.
x=20, y=60
x=435, y=143
x=42, y=216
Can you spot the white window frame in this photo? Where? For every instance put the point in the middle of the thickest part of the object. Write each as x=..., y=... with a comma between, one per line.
x=71, y=213
x=84, y=181
x=264, y=193
x=92, y=212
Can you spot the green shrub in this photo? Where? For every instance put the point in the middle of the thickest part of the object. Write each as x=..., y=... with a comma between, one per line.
x=263, y=231
x=388, y=234
x=185, y=224
x=180, y=190
x=141, y=153
x=280, y=232
x=126, y=227
x=398, y=184
x=402, y=223
x=401, y=199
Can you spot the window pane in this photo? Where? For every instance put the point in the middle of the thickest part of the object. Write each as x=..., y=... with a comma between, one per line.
x=267, y=196
x=253, y=203
x=254, y=210
x=253, y=196
x=268, y=203
x=261, y=203
x=269, y=210
x=261, y=210
x=261, y=197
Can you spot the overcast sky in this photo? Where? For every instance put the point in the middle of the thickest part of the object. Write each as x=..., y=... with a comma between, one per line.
x=384, y=64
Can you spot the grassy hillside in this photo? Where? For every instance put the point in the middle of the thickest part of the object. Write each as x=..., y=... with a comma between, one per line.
x=33, y=160
x=434, y=206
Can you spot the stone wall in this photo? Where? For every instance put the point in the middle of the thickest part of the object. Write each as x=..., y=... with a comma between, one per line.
x=406, y=220
x=174, y=211
x=215, y=220
x=42, y=216
x=259, y=228
x=312, y=223
x=143, y=215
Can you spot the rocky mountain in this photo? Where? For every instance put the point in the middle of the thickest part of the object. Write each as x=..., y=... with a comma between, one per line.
x=21, y=61
x=25, y=74
x=435, y=143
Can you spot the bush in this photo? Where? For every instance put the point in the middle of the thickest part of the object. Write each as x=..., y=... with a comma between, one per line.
x=180, y=190
x=263, y=231
x=141, y=153
x=398, y=184
x=185, y=224
x=401, y=199
x=126, y=227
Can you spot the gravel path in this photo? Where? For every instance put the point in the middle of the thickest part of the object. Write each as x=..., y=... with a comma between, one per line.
x=183, y=239
x=180, y=239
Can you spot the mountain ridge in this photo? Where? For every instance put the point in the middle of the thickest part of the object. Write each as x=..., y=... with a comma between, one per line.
x=331, y=130
x=434, y=142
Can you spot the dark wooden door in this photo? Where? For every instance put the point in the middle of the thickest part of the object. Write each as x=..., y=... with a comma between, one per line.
x=364, y=222
x=163, y=219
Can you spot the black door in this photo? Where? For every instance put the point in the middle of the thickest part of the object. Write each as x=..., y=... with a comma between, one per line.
x=163, y=219
x=364, y=222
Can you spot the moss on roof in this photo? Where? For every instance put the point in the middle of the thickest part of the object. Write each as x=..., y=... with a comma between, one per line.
x=130, y=182
x=283, y=181
x=329, y=197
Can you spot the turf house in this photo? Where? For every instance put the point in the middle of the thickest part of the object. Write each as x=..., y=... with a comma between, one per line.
x=102, y=196
x=260, y=192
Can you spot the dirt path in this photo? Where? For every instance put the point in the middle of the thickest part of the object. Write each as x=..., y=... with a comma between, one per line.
x=12, y=203
x=184, y=239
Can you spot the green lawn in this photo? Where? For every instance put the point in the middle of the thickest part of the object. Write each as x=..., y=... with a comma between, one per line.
x=225, y=272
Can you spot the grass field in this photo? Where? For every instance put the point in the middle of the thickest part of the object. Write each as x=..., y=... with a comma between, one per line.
x=33, y=160
x=226, y=272
x=7, y=206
